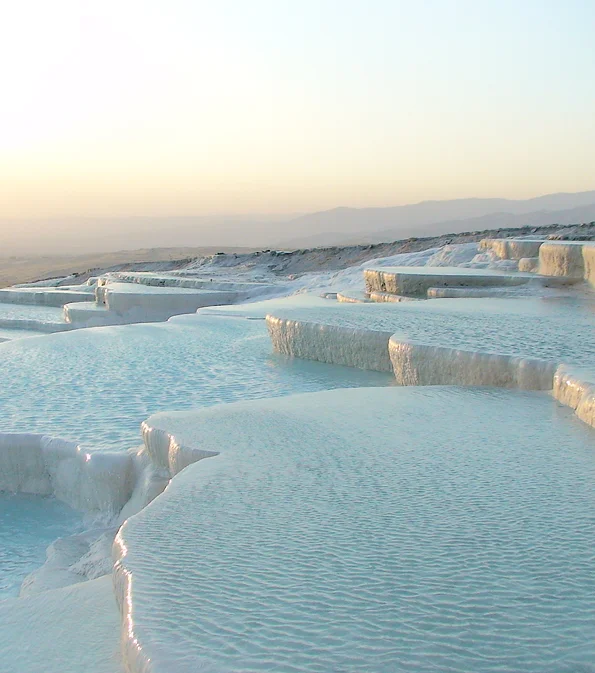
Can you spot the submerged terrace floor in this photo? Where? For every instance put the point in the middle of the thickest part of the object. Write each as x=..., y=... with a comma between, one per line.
x=28, y=525
x=96, y=386
x=402, y=529
x=559, y=327
x=30, y=312
x=381, y=529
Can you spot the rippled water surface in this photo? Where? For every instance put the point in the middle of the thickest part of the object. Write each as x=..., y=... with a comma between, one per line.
x=8, y=333
x=31, y=312
x=558, y=329
x=28, y=525
x=96, y=386
x=388, y=530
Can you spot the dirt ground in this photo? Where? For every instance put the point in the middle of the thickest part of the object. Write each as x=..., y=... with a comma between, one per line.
x=26, y=269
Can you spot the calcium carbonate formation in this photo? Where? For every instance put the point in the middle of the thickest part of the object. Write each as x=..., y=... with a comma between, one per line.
x=267, y=534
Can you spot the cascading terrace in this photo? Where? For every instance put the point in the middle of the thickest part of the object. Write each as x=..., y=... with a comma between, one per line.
x=509, y=331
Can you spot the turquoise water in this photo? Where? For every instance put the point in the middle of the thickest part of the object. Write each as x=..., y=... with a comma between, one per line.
x=28, y=525
x=30, y=312
x=387, y=530
x=558, y=329
x=7, y=334
x=95, y=386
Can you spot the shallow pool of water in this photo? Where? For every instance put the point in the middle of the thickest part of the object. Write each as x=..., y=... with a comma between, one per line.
x=96, y=386
x=30, y=312
x=28, y=525
x=393, y=530
x=557, y=329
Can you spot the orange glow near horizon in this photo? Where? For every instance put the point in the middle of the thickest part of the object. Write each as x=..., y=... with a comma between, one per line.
x=130, y=108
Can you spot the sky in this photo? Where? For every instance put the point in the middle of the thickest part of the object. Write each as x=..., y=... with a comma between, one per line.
x=117, y=108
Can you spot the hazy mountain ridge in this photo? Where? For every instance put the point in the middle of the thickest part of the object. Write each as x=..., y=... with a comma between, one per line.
x=339, y=226
x=342, y=226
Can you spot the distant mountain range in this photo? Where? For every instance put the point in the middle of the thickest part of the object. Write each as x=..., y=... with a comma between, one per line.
x=343, y=226
x=340, y=226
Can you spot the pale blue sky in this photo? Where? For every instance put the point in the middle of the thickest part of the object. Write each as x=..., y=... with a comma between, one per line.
x=154, y=107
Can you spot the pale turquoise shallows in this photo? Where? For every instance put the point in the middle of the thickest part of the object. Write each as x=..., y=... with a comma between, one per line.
x=389, y=530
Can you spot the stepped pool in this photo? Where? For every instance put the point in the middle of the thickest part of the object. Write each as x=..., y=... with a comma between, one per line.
x=30, y=312
x=379, y=529
x=95, y=386
x=388, y=530
x=557, y=328
x=28, y=525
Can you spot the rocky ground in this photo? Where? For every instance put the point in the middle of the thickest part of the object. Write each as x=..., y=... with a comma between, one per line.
x=197, y=261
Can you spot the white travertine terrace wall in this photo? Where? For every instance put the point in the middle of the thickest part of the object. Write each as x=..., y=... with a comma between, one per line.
x=365, y=349
x=415, y=284
x=100, y=291
x=413, y=364
x=166, y=453
x=42, y=297
x=570, y=259
x=92, y=482
x=157, y=280
x=353, y=298
x=109, y=483
x=458, y=292
x=512, y=248
x=589, y=262
x=166, y=303
x=129, y=303
x=416, y=364
x=562, y=259
x=34, y=325
x=529, y=264
x=388, y=297
x=89, y=314
x=576, y=389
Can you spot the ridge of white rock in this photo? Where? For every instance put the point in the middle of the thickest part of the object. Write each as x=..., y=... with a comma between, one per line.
x=575, y=388
x=562, y=258
x=133, y=302
x=417, y=364
x=91, y=314
x=512, y=248
x=589, y=263
x=333, y=344
x=529, y=264
x=353, y=297
x=119, y=299
x=34, y=325
x=127, y=303
x=488, y=324
x=427, y=351
x=93, y=482
x=45, y=297
x=388, y=297
x=101, y=484
x=559, y=258
x=166, y=453
x=415, y=282
x=182, y=280
x=413, y=364
x=472, y=292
